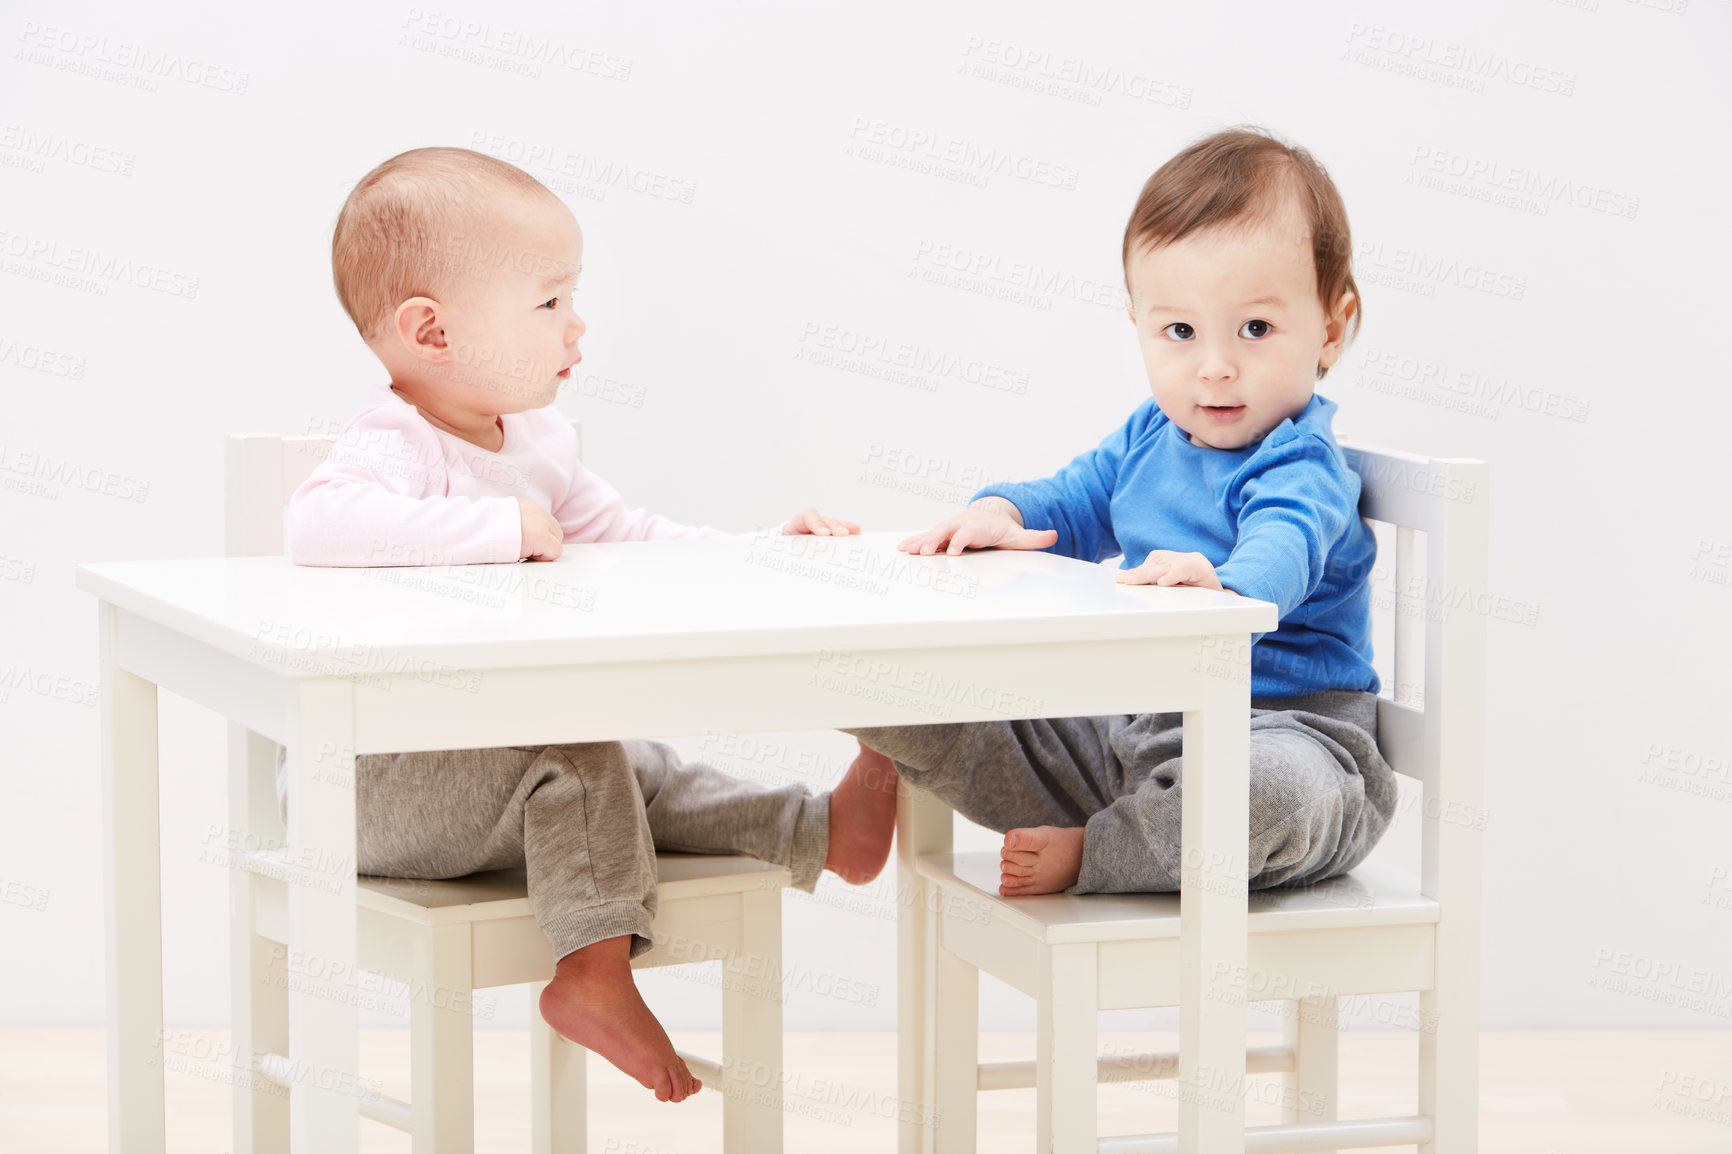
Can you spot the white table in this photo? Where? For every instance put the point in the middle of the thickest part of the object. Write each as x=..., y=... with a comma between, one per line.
x=753, y=633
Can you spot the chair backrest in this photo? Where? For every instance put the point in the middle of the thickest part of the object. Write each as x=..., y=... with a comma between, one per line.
x=1433, y=729
x=260, y=474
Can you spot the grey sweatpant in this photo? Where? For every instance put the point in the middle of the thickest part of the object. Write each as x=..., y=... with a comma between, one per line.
x=1321, y=794
x=583, y=820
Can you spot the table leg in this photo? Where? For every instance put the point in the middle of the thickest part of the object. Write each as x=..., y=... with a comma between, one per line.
x=132, y=905
x=1212, y=903
x=324, y=1049
x=924, y=825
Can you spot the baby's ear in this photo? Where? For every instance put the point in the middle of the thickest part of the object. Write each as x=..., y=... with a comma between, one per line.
x=1347, y=308
x=1335, y=331
x=418, y=326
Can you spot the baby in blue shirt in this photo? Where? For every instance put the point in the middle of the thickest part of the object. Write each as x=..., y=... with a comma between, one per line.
x=1237, y=258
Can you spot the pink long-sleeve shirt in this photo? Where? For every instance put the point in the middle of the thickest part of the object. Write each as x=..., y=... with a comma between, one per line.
x=396, y=490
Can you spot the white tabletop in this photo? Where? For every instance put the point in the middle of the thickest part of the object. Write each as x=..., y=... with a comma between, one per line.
x=662, y=600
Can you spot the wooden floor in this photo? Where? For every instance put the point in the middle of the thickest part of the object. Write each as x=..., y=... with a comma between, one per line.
x=1543, y=1093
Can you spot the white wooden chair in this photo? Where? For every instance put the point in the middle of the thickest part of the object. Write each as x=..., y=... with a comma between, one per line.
x=1373, y=931
x=446, y=939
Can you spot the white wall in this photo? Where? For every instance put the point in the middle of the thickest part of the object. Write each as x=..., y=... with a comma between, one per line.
x=745, y=222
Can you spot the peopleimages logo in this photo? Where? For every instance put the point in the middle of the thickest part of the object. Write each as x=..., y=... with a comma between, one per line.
x=1421, y=272
x=40, y=474
x=1543, y=187
x=1017, y=281
x=505, y=47
x=905, y=362
x=39, y=147
x=872, y=139
x=1065, y=77
x=136, y=65
x=41, y=360
x=41, y=257
x=551, y=160
x=1473, y=391
x=1458, y=65
x=913, y=688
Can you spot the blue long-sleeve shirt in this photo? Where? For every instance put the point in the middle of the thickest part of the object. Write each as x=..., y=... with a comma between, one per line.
x=1278, y=519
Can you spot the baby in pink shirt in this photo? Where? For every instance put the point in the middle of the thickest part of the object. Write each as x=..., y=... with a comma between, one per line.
x=458, y=270
x=459, y=459
x=398, y=489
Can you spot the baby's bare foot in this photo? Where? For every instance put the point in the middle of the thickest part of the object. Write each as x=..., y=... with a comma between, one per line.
x=863, y=818
x=593, y=1001
x=1042, y=860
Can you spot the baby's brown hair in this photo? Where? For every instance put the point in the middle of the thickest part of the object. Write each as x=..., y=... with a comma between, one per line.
x=1244, y=175
x=395, y=234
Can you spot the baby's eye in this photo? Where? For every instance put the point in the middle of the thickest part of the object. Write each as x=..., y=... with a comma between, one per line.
x=1256, y=330
x=552, y=304
x=1179, y=331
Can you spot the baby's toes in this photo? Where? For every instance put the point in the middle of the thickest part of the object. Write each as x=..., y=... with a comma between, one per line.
x=1029, y=841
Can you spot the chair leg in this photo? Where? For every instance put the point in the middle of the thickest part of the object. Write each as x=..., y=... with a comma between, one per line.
x=1449, y=1073
x=956, y=1055
x=259, y=1002
x=752, y=1031
x=442, y=1045
x=258, y=969
x=1312, y=1032
x=1067, y=1038
x=559, y=1087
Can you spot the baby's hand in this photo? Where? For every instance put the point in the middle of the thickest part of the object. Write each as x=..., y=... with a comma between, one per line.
x=989, y=523
x=809, y=520
x=543, y=539
x=1164, y=567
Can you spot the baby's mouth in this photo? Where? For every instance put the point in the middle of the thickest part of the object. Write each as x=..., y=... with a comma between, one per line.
x=1223, y=412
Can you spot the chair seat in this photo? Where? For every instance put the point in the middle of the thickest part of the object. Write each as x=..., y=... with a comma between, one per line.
x=1371, y=895
x=500, y=894
x=508, y=947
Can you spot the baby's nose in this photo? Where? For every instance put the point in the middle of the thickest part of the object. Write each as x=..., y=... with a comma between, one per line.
x=1216, y=361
